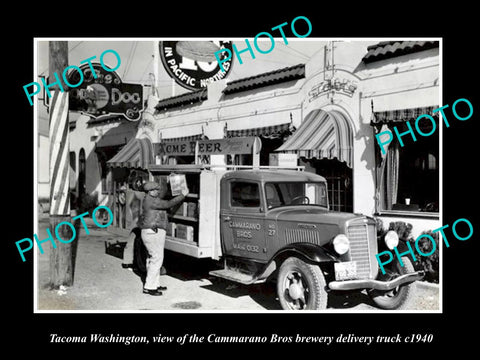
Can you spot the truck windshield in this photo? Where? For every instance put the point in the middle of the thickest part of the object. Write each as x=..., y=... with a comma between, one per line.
x=296, y=193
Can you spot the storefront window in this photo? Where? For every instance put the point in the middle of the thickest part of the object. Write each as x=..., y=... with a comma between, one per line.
x=410, y=177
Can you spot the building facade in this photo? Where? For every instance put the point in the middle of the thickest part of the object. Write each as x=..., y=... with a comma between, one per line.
x=323, y=114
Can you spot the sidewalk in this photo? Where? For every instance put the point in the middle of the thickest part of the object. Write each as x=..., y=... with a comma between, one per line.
x=101, y=284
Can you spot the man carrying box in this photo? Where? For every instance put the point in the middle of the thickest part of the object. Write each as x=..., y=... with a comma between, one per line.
x=154, y=222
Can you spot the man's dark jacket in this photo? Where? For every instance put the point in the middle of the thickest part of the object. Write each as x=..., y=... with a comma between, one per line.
x=154, y=215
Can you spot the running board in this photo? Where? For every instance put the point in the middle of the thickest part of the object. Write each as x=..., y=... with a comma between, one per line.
x=236, y=276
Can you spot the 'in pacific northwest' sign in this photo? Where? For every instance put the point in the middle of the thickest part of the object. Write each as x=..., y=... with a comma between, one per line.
x=192, y=64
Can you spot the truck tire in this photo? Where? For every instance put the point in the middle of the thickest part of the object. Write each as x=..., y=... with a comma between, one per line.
x=400, y=297
x=301, y=286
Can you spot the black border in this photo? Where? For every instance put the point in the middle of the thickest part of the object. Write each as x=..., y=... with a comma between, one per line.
x=456, y=25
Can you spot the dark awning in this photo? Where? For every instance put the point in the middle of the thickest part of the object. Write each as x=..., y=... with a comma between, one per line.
x=184, y=99
x=265, y=79
x=399, y=117
x=119, y=135
x=105, y=119
x=185, y=138
x=322, y=135
x=138, y=153
x=274, y=131
x=388, y=49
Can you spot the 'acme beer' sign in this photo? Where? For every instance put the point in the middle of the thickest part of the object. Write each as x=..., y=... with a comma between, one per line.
x=240, y=145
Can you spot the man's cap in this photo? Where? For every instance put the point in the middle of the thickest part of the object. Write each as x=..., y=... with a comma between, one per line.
x=151, y=185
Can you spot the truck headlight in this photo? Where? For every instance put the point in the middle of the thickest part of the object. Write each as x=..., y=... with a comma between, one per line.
x=391, y=239
x=341, y=244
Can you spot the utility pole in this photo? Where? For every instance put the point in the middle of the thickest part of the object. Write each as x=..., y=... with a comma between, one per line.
x=61, y=257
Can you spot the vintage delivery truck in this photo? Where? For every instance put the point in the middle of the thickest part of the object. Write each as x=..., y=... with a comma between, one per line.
x=269, y=223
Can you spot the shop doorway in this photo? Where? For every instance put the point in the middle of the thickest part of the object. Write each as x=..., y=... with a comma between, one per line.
x=324, y=144
x=269, y=145
x=120, y=180
x=127, y=190
x=339, y=179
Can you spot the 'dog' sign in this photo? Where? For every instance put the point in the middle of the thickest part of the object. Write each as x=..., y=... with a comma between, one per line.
x=95, y=89
x=103, y=93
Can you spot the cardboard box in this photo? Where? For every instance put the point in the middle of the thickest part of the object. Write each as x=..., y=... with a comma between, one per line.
x=184, y=232
x=181, y=209
x=280, y=159
x=178, y=182
x=192, y=209
x=171, y=229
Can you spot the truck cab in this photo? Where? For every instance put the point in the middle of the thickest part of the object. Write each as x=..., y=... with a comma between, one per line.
x=267, y=223
x=257, y=207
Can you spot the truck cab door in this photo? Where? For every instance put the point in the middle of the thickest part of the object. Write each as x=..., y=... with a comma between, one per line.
x=242, y=218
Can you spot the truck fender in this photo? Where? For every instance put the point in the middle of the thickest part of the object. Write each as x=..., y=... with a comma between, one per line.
x=307, y=251
x=311, y=252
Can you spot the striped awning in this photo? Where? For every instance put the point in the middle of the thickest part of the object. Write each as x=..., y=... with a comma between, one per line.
x=138, y=153
x=322, y=135
x=274, y=131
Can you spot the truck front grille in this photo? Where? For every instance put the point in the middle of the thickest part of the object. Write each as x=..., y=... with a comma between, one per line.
x=359, y=248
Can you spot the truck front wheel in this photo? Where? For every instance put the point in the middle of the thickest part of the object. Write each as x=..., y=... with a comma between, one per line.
x=401, y=296
x=301, y=286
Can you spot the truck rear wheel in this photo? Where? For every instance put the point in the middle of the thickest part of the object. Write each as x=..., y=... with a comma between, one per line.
x=400, y=297
x=301, y=286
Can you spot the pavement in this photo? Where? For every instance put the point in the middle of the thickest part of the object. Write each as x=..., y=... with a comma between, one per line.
x=102, y=285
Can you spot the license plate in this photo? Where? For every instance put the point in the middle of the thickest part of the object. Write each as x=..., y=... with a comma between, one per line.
x=345, y=270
